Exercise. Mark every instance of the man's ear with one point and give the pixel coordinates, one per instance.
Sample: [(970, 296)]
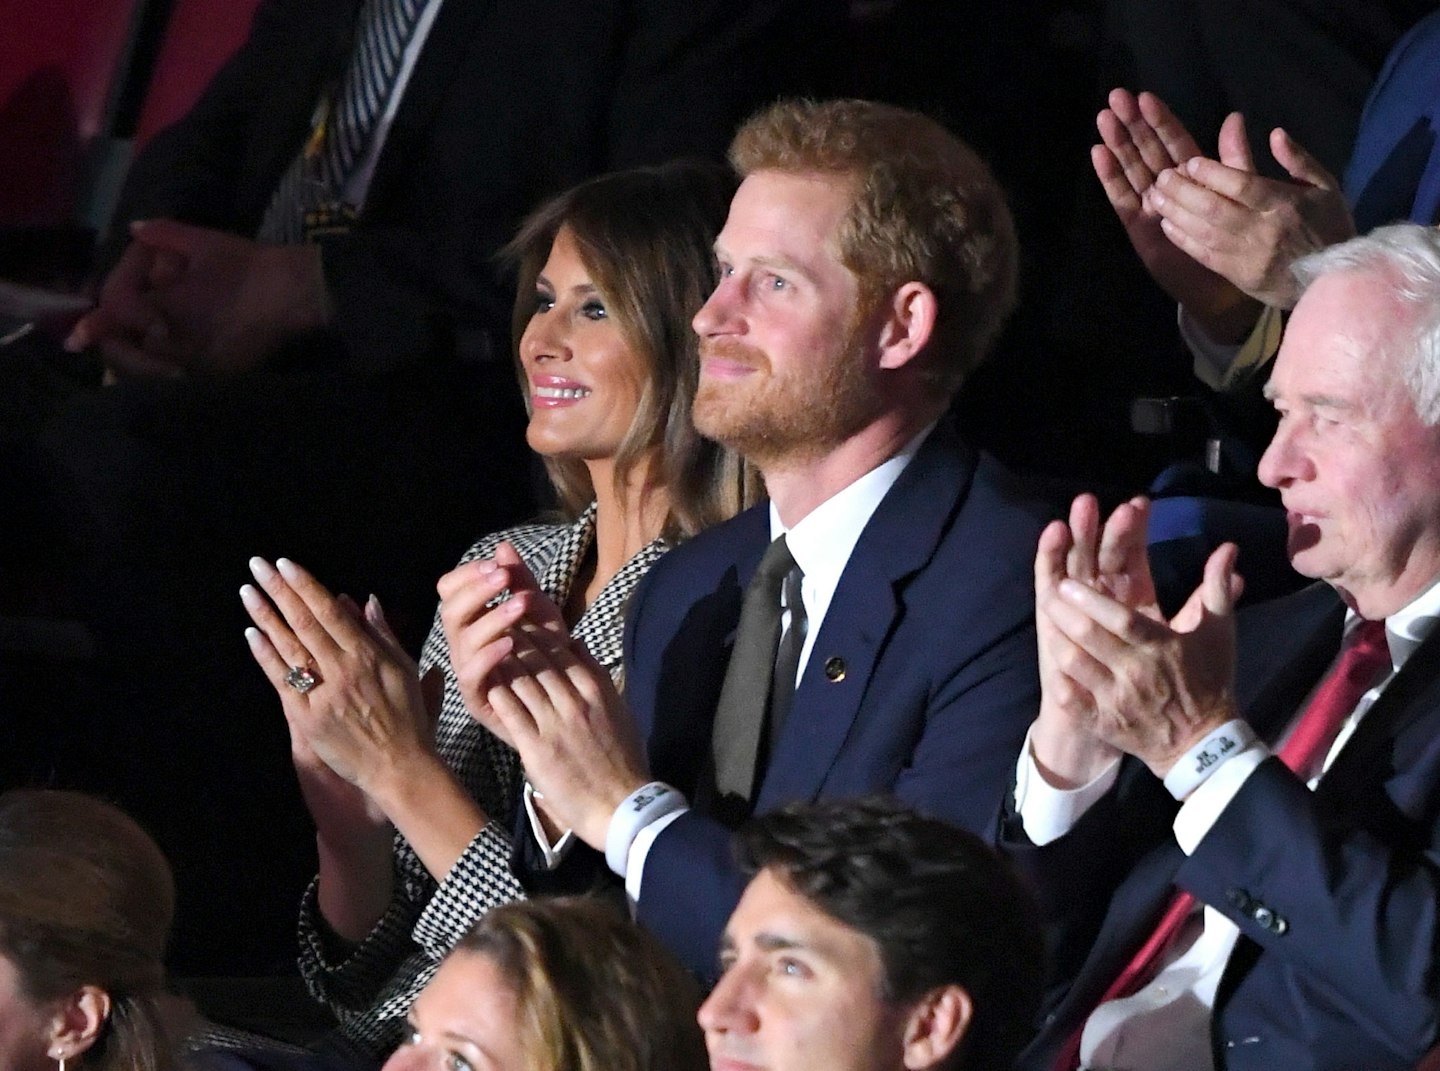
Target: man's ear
[(907, 325), (936, 1026), (77, 1021)]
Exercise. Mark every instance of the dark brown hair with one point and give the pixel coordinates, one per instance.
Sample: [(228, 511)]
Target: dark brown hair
[(86, 898), (646, 237), (941, 907)]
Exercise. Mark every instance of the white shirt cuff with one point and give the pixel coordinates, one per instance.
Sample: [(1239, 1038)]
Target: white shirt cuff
[(645, 805), (1047, 812), (1202, 810), (1205, 758), (553, 853)]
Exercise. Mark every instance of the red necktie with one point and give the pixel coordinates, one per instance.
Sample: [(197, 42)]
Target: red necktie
[(1360, 663)]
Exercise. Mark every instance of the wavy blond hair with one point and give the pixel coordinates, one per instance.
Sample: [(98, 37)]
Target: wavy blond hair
[(596, 992)]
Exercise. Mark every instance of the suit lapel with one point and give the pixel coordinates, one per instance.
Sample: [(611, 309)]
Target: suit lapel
[(756, 540), (1296, 646), (1285, 646), (897, 542), (1134, 911), (1414, 693)]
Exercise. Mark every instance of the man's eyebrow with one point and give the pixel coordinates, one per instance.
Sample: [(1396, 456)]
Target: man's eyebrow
[(1318, 401), (781, 262), (776, 261), (785, 938), (773, 942)]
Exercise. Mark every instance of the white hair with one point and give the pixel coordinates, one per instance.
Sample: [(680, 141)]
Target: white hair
[(1408, 255)]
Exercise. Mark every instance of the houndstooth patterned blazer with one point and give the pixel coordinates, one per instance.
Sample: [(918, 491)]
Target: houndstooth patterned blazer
[(371, 990)]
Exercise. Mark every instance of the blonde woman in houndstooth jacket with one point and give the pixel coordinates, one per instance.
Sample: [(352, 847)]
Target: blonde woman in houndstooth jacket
[(413, 818)]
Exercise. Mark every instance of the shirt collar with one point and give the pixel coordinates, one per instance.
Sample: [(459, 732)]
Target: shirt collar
[(1408, 626), (822, 540)]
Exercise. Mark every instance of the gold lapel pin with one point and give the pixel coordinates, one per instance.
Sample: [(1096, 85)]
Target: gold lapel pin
[(834, 669)]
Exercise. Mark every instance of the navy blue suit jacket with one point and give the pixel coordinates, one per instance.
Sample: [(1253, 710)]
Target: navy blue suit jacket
[(1394, 169), (1336, 892), (933, 622)]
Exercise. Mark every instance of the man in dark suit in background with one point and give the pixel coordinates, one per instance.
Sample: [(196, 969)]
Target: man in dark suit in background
[(1219, 235), (492, 106), (884, 643), (347, 400), (1307, 931)]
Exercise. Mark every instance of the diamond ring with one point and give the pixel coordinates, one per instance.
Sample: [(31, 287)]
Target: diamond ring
[(301, 678)]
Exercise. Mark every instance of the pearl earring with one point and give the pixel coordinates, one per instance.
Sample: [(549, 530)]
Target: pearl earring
[(59, 1057)]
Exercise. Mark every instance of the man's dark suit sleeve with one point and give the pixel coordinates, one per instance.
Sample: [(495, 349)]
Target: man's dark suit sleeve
[(1336, 892), (692, 883), (1350, 903), (218, 165)]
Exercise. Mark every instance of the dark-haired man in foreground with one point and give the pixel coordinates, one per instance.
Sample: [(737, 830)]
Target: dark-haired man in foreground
[(872, 939)]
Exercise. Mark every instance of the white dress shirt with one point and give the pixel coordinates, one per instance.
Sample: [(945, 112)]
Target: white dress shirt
[(1166, 1025)]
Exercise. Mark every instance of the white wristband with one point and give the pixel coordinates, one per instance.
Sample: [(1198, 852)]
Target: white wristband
[(1196, 765), (636, 811)]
